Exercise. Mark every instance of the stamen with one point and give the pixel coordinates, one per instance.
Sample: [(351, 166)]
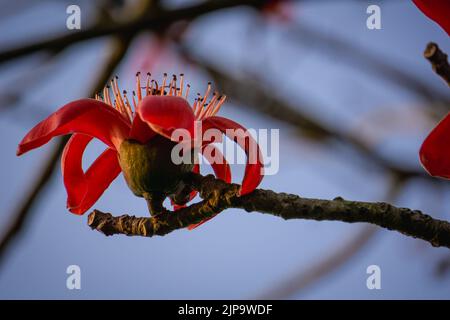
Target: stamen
[(147, 92), (127, 106), (120, 102), (194, 106), (106, 95), (211, 105), (174, 85), (187, 91), (171, 86), (180, 93), (219, 104), (198, 106), (164, 84), (151, 88), (208, 89), (138, 86), (203, 112), (115, 93), (134, 101)]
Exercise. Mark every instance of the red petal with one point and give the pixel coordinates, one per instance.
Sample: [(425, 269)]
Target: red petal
[(72, 171), (87, 116), (84, 189), (254, 169), (435, 150), (140, 130), (437, 10), (99, 176), (222, 171), (164, 114)]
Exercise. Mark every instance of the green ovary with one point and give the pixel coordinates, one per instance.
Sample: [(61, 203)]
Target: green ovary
[(148, 168)]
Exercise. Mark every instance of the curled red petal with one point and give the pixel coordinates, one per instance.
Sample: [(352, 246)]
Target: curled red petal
[(84, 189), (221, 170), (254, 170), (98, 177), (164, 114), (72, 170), (87, 116), (435, 150), (436, 10)]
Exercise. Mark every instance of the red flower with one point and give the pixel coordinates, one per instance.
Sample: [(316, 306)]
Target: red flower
[(437, 10), (435, 150), (138, 142)]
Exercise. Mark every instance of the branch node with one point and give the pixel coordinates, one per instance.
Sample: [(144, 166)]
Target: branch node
[(438, 60)]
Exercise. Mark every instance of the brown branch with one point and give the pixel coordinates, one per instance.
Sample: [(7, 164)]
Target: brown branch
[(219, 196), (438, 60)]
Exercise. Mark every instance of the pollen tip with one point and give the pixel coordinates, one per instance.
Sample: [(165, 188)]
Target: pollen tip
[(134, 93), (124, 91), (149, 74), (165, 74), (181, 74), (138, 74)]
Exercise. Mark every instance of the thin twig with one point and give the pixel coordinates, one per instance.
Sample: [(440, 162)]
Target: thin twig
[(219, 196), (438, 60)]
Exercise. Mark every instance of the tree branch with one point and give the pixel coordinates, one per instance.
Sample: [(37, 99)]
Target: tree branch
[(438, 60), (219, 196), (156, 19)]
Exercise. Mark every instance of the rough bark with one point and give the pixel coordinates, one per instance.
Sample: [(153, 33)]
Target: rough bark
[(219, 196)]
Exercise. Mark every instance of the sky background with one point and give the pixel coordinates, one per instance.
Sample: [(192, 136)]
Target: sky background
[(236, 255)]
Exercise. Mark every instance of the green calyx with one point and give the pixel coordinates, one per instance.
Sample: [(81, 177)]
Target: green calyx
[(150, 172)]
